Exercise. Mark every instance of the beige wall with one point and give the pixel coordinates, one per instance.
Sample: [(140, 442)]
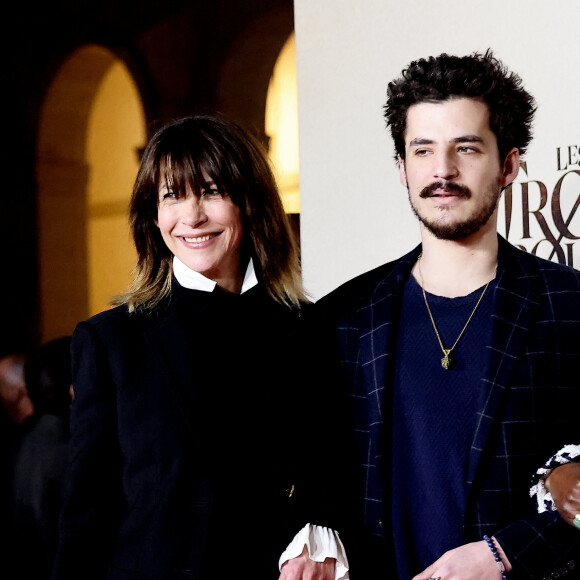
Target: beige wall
[(354, 212)]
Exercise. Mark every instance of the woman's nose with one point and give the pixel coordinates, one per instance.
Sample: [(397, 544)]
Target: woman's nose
[(193, 211)]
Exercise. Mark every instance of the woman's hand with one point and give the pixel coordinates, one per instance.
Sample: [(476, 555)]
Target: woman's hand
[(303, 568), (564, 485)]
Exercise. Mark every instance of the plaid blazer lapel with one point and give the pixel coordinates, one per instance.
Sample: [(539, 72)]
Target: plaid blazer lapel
[(379, 322), (516, 301)]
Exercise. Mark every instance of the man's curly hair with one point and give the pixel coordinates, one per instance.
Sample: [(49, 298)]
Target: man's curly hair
[(478, 76)]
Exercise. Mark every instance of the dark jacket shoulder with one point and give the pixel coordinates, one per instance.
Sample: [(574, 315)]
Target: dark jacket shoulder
[(528, 264), (357, 292), (118, 317)]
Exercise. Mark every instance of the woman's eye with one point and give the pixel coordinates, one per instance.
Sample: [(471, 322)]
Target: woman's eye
[(210, 191), (168, 195)]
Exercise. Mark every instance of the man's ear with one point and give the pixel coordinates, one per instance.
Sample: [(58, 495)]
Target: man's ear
[(402, 172), (511, 167)]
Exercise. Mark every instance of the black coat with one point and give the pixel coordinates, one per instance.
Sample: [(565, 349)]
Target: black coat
[(189, 430)]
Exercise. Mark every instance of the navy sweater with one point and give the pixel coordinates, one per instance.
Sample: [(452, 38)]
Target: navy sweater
[(434, 416)]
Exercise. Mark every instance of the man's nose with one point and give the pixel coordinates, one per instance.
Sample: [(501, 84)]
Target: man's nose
[(445, 165)]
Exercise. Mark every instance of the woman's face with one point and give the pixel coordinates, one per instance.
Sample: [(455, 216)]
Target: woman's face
[(204, 231)]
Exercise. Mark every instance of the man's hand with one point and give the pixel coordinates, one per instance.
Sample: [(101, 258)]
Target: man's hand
[(468, 562), (303, 568), (564, 485)]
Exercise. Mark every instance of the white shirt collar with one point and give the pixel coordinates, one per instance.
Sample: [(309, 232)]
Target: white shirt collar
[(188, 278)]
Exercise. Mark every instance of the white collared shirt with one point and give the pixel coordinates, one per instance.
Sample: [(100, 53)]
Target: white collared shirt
[(188, 278)]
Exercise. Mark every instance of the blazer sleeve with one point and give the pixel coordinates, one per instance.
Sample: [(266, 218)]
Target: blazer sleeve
[(93, 502), (544, 545), (541, 547)]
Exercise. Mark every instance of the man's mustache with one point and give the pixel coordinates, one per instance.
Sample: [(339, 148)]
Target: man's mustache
[(447, 187)]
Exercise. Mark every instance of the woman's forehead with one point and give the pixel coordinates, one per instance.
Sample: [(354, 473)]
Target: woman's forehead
[(183, 169)]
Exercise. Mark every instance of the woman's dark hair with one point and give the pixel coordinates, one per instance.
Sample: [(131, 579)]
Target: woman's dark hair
[(478, 76), (179, 154)]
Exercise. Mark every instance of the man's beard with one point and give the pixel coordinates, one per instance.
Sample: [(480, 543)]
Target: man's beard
[(458, 230)]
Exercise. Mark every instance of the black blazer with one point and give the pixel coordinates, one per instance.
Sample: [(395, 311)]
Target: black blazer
[(533, 382), (188, 439)]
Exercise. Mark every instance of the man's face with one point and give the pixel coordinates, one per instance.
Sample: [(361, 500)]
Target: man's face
[(452, 168)]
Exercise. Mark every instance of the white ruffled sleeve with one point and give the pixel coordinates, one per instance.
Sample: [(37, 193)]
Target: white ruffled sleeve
[(538, 489), (321, 543)]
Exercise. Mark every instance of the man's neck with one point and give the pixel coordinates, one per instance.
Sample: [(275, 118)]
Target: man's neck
[(457, 268)]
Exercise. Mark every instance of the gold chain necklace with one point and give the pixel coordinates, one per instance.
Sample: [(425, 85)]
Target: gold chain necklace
[(446, 361)]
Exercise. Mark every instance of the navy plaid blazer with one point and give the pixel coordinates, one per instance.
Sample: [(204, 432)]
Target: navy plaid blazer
[(532, 382)]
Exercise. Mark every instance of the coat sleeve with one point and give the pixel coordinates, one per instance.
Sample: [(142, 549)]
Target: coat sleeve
[(544, 545), (93, 502), (334, 474), (540, 547)]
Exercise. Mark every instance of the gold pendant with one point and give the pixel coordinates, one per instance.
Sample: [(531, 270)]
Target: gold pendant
[(446, 361)]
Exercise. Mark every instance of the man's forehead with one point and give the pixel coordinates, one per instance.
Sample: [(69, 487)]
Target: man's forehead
[(447, 119)]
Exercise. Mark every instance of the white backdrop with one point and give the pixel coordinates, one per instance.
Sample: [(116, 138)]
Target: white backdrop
[(354, 212)]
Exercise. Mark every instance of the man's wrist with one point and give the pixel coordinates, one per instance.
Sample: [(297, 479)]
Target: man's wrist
[(499, 556)]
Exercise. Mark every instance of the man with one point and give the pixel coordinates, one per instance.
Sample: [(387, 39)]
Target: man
[(13, 394), (39, 461), (462, 357), (16, 412)]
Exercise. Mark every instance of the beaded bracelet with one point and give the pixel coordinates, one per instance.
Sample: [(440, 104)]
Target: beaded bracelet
[(496, 556)]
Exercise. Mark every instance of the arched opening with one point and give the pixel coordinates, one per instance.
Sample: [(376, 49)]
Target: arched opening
[(282, 125), (90, 130)]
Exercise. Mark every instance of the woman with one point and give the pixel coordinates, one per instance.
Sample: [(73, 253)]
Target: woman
[(189, 426)]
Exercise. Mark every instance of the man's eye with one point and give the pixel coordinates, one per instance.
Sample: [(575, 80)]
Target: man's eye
[(466, 149)]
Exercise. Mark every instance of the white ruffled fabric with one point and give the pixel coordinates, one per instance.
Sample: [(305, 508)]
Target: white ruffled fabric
[(544, 498), (321, 543)]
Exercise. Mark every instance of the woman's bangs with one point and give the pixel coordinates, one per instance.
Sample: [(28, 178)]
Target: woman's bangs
[(179, 173)]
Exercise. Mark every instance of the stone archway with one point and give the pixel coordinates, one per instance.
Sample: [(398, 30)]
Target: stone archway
[(91, 125), (246, 72)]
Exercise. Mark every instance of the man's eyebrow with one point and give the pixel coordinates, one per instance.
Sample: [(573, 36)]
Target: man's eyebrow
[(417, 141), (467, 139), (420, 141)]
